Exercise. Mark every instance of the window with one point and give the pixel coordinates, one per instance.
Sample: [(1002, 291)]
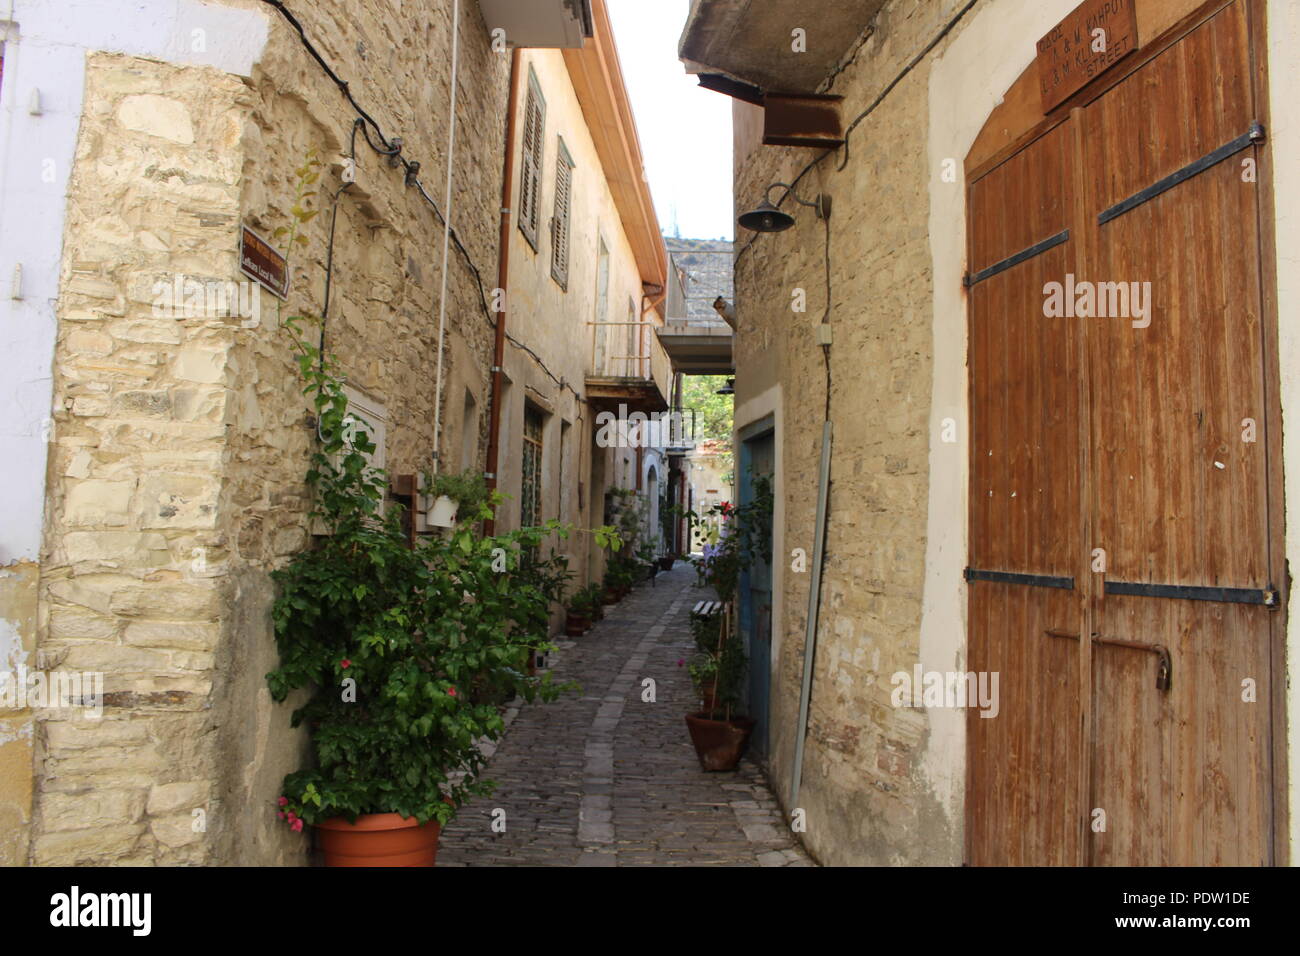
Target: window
[(530, 173), (560, 220), (369, 418), (469, 433), (530, 496), (600, 359), (632, 364)]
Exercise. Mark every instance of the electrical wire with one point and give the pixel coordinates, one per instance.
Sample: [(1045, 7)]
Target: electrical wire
[(392, 148), (912, 64)]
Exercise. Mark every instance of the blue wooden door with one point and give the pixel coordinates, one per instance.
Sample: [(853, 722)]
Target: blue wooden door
[(757, 462)]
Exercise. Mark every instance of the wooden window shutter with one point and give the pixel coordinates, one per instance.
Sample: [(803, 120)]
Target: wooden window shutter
[(530, 179), (560, 221)]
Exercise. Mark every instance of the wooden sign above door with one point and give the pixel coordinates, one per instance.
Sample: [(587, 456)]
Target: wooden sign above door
[(1087, 43)]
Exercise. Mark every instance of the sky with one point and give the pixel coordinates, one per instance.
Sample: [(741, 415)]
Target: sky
[(685, 130)]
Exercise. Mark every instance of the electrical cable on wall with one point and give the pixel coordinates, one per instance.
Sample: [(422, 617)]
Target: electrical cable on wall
[(912, 64), (393, 149)]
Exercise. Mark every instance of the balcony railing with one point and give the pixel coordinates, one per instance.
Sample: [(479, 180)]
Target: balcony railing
[(619, 349)]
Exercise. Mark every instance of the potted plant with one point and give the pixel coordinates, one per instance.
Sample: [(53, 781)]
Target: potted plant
[(448, 495), (647, 563), (718, 731), (394, 649), (581, 611)]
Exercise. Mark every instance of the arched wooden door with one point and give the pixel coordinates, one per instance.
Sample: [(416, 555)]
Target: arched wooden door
[(1124, 561)]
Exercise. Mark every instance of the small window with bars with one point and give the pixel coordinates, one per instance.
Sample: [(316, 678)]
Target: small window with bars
[(560, 220), (530, 497), (530, 172)]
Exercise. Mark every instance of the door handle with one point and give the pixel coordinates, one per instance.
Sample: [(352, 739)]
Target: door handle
[(1164, 663)]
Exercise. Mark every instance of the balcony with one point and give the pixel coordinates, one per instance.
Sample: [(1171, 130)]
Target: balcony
[(698, 347), (562, 24), (628, 367)]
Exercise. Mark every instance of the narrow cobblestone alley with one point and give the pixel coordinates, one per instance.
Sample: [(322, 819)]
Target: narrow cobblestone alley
[(601, 778)]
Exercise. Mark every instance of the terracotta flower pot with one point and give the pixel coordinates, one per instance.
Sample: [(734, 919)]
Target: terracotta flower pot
[(719, 743), (575, 625), (666, 564), (378, 839)]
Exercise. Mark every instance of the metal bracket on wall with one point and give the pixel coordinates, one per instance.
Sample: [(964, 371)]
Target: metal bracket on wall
[(1037, 249), (1248, 139), (1014, 577), (1268, 597)]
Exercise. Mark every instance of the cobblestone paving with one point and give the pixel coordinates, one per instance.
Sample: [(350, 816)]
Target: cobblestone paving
[(601, 778)]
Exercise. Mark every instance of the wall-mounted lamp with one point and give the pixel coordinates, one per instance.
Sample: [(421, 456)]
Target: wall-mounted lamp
[(767, 218), (728, 389)]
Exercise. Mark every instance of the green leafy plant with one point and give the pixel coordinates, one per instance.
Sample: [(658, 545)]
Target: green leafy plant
[(468, 489), (586, 602), (746, 536), (400, 648)]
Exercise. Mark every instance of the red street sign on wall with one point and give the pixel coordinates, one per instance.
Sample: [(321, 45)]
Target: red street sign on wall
[(260, 262)]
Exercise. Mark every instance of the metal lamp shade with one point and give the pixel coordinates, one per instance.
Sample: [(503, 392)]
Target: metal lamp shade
[(767, 218)]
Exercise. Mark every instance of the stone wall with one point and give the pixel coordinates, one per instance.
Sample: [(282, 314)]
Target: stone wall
[(180, 444), (866, 796)]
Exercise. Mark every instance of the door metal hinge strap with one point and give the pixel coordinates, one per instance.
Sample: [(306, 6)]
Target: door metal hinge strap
[(1268, 597), (1013, 577), (1035, 250), (1255, 135)]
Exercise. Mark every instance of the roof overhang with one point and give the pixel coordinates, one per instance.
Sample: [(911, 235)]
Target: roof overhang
[(598, 82), (697, 350), (637, 394), (540, 23), (755, 43)]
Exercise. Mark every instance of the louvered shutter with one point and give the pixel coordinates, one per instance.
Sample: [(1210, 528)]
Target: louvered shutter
[(530, 180), (560, 221)]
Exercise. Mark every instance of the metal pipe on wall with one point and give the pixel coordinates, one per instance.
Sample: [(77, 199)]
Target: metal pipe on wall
[(814, 605), (503, 276), (446, 236)]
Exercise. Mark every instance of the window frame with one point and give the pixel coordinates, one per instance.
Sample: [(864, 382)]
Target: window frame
[(561, 227), (532, 161)]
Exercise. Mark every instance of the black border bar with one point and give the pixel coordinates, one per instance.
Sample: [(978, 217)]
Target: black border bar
[(1035, 250), (1255, 135), (1268, 597), (1014, 577)]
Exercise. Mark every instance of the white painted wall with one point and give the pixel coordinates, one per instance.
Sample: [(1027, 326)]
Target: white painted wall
[(1284, 89), (45, 46)]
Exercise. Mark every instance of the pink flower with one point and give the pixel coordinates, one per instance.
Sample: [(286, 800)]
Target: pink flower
[(345, 663), (451, 691), (292, 816), (280, 814), (296, 826), (681, 661), (284, 801)]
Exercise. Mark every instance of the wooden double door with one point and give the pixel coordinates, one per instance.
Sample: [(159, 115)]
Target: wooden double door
[(1124, 562)]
